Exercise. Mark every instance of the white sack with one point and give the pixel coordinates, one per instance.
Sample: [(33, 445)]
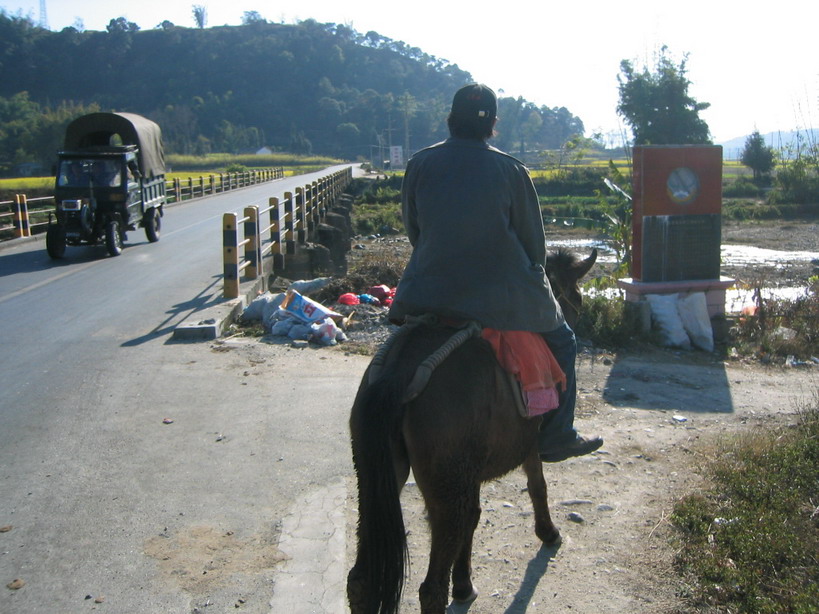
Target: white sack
[(693, 310), (665, 315)]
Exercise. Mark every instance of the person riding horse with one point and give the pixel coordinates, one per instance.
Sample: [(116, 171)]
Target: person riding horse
[(472, 216)]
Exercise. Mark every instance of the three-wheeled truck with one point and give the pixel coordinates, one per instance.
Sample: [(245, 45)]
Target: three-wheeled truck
[(110, 179)]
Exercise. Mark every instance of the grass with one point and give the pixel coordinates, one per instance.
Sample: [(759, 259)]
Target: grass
[(750, 543)]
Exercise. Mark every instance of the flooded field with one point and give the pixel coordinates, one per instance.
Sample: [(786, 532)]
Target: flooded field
[(745, 258)]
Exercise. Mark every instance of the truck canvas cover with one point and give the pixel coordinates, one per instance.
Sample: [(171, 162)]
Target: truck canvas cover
[(96, 130)]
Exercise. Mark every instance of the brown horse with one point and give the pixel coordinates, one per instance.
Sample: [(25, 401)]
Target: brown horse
[(462, 430)]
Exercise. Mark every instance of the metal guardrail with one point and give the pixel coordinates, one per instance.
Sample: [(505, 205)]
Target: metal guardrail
[(24, 218), (178, 189), (290, 220)]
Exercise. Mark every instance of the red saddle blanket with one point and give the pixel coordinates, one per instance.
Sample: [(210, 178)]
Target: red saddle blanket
[(526, 355)]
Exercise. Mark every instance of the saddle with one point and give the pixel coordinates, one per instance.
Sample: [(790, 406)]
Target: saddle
[(463, 332)]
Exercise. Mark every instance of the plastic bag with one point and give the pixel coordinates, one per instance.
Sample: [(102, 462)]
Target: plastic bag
[(381, 292), (369, 299), (664, 313), (327, 332), (282, 323), (263, 306), (308, 286), (693, 310), (306, 309), (348, 298)]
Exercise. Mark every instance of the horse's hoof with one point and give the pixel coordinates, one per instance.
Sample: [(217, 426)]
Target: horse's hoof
[(468, 599), (551, 538)]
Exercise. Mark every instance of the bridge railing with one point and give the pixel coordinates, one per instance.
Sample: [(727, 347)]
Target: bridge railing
[(23, 217), (275, 230), (180, 189)]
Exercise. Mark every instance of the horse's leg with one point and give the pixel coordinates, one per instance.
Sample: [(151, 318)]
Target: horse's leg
[(544, 527), (450, 514), (462, 588)]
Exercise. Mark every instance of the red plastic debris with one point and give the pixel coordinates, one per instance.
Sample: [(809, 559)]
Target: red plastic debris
[(348, 298), (380, 292)]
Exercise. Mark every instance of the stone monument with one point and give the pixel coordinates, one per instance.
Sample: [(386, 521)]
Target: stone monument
[(676, 223)]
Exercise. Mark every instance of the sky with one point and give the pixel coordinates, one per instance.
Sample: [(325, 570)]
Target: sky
[(755, 62)]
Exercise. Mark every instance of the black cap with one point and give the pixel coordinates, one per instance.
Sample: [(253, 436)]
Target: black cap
[(474, 102)]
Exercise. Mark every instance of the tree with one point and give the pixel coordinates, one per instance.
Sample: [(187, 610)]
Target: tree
[(757, 156), (657, 105), (251, 17), (200, 15), (120, 24)]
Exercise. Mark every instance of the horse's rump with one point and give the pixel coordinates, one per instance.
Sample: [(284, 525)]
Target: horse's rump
[(466, 413)]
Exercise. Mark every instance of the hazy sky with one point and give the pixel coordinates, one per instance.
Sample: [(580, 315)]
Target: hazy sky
[(755, 62)]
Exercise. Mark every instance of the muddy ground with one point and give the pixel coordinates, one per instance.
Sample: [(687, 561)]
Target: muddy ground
[(663, 415)]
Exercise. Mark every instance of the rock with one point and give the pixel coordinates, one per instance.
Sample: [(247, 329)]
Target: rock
[(16, 584), (576, 502), (575, 517)]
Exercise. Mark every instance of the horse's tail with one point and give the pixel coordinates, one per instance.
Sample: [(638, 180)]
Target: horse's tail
[(377, 580)]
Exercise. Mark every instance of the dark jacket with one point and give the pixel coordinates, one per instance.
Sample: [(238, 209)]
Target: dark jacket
[(472, 215)]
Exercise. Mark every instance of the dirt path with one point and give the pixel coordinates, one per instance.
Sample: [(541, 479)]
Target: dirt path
[(661, 413)]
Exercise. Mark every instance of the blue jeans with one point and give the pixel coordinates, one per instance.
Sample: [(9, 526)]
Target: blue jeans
[(557, 427)]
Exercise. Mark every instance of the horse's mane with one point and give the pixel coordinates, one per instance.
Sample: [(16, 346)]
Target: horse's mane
[(561, 258)]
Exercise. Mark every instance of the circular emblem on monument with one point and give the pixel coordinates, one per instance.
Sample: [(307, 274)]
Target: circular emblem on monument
[(683, 185)]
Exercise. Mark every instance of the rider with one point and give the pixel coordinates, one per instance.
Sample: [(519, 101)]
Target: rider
[(472, 215)]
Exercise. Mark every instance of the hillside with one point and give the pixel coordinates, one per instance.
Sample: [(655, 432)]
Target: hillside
[(781, 141), (308, 87)]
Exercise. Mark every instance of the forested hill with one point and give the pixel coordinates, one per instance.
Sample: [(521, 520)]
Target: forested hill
[(307, 87)]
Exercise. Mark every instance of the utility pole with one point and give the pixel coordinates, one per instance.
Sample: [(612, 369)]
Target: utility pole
[(43, 15)]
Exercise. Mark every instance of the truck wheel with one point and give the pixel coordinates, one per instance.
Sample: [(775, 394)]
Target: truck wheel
[(113, 238), (55, 241), (153, 223)]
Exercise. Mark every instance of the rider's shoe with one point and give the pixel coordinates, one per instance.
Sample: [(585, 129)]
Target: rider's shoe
[(578, 447)]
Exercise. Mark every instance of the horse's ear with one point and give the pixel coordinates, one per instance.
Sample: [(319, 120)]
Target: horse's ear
[(584, 266)]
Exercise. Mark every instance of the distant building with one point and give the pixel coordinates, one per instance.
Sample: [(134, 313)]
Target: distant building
[(264, 151)]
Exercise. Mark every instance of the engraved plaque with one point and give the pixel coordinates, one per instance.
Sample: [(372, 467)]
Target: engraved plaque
[(681, 247)]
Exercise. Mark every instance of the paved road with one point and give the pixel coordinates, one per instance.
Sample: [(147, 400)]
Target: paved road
[(103, 498)]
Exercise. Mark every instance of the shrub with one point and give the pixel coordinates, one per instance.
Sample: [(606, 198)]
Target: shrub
[(608, 322), (742, 187), (781, 328)]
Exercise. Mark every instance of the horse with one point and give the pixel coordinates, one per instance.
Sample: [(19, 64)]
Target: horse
[(463, 429)]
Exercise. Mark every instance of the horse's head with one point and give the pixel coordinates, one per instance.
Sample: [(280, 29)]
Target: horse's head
[(565, 269)]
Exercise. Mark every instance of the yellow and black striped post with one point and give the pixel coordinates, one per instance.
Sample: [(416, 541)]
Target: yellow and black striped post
[(253, 242), (21, 226), (290, 223), (301, 218), (230, 250), (277, 234)]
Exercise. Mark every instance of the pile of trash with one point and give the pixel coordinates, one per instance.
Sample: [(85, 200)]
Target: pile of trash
[(377, 295), (294, 315)]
